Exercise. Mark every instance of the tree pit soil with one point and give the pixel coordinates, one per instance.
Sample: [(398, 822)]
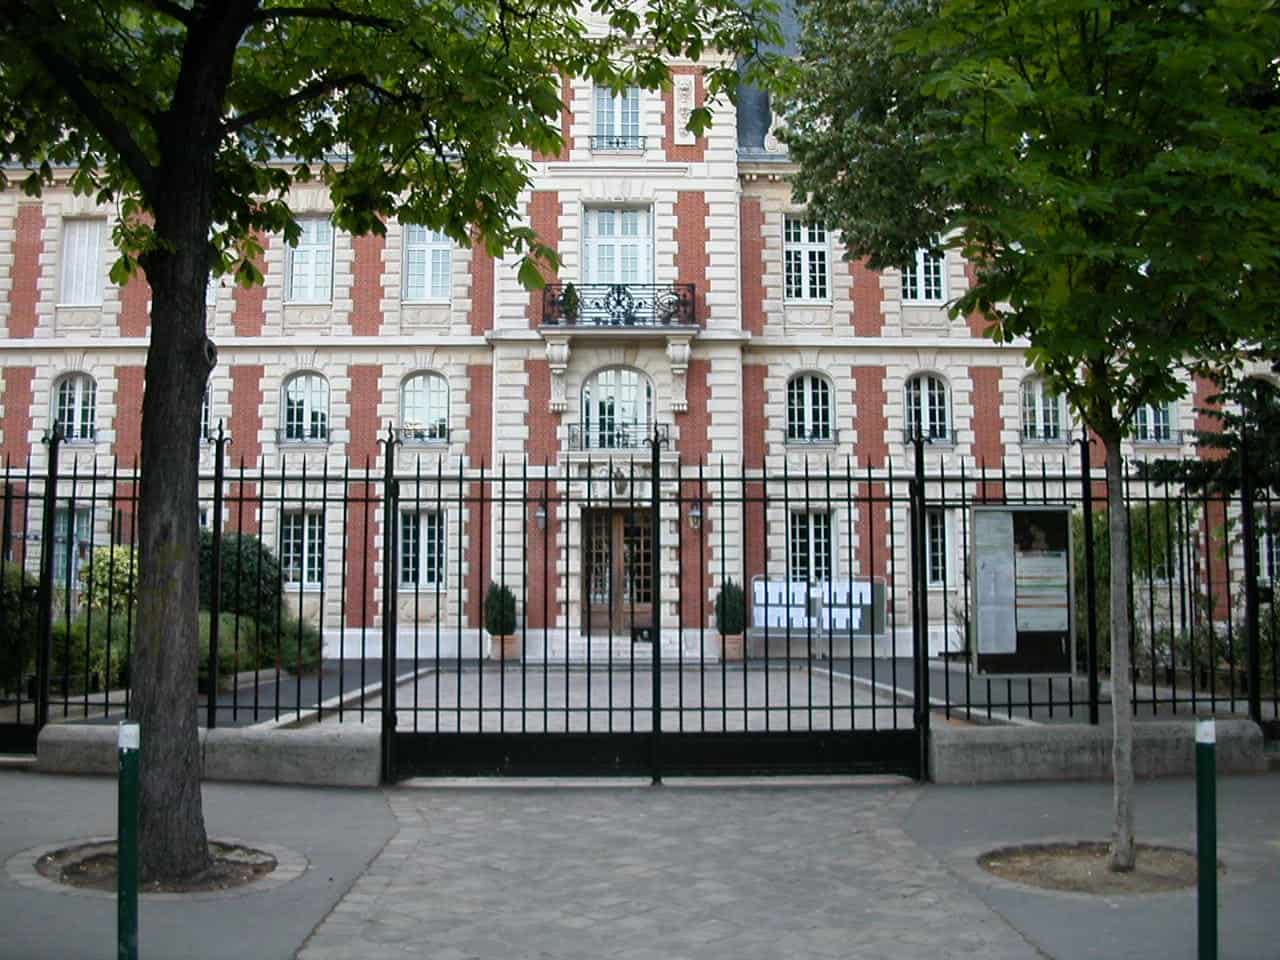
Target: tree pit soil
[(1084, 868), (92, 866)]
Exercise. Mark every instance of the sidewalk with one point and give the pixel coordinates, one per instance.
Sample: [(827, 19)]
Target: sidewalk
[(819, 869)]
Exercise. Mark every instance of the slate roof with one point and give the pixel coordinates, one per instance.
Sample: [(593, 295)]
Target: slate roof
[(754, 115)]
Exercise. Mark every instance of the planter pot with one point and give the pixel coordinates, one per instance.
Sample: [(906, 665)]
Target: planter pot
[(731, 646), (504, 647)]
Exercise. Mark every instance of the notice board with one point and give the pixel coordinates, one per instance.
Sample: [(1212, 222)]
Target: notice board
[(1022, 592)]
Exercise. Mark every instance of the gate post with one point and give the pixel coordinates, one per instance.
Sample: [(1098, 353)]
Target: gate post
[(44, 626), (1250, 580), (1090, 592), (655, 575), (920, 605), (215, 578), (390, 515)]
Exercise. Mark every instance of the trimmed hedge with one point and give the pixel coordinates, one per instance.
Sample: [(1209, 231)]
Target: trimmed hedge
[(17, 626), (250, 577)]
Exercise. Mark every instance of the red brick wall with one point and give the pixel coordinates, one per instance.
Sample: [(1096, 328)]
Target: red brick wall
[(751, 229), (1204, 389), (128, 422), (869, 400), (542, 446), (480, 512), (542, 607), (691, 247), (17, 414), (366, 285), (250, 311), (544, 218), (867, 300), (695, 545), (481, 315), (988, 448), (977, 322), (682, 153), (566, 124), (362, 449), (362, 591), (25, 293), (753, 416), (480, 420), (135, 311), (246, 416)]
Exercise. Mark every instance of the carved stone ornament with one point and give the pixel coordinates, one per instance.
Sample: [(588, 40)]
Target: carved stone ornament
[(685, 96), (558, 362), (771, 142), (679, 349)]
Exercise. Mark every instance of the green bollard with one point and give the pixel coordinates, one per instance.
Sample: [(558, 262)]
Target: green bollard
[(127, 843), (1207, 839)]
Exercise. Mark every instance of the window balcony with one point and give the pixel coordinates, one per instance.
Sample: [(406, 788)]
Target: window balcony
[(618, 305), (617, 436), (939, 436), (617, 143), (421, 434)]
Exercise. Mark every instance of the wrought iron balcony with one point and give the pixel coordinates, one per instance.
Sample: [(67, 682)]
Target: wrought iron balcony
[(617, 143), (942, 436), (617, 436), (618, 305), (413, 433)]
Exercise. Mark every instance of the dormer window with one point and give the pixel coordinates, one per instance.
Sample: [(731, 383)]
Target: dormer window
[(617, 120)]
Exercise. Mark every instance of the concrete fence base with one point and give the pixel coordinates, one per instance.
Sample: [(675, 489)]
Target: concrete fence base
[(329, 756), (1082, 752)]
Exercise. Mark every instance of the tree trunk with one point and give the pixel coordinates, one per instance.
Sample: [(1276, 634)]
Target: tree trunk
[(172, 840), (1123, 852)]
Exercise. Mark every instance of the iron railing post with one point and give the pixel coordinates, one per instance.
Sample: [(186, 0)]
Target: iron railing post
[(1090, 590), (920, 605), (215, 578), (655, 575), (48, 548), (1249, 532), (390, 514)]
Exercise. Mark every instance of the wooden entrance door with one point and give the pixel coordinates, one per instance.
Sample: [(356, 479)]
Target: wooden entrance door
[(617, 570)]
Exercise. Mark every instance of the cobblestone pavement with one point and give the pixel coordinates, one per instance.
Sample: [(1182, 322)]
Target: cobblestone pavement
[(671, 873)]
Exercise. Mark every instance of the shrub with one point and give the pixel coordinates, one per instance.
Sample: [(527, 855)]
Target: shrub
[(731, 609), (90, 652), (250, 577), (236, 650), (111, 578), (500, 610), (17, 626)]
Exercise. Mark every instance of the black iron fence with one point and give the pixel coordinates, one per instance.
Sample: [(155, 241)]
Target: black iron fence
[(642, 613)]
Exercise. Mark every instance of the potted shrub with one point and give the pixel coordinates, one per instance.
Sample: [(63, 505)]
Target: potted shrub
[(570, 304), (500, 622), (731, 614)]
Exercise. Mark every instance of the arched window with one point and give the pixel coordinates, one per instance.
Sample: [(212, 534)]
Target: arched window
[(424, 408), (306, 408), (928, 407), (808, 409), (1042, 412), (617, 408), (75, 406)]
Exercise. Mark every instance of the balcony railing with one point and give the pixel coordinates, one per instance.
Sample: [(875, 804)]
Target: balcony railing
[(417, 433), (617, 143), (617, 436), (618, 305), (944, 437)]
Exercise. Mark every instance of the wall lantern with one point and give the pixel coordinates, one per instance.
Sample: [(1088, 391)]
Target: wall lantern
[(695, 514), (540, 515)]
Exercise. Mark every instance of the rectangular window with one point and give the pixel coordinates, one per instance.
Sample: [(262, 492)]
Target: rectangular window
[(422, 549), (936, 547), (809, 547), (1153, 423), (617, 120), (428, 256), (1268, 533), (72, 541), (82, 263), (311, 262), (805, 260), (924, 281), (619, 246), (302, 548)]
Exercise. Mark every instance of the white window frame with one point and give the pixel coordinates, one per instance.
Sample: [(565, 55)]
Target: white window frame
[(424, 408), (1268, 548), (617, 245), (928, 405), (308, 572), (810, 410), (1044, 417), (81, 280), (618, 125), (422, 558), (310, 263), (806, 561), (806, 261), (311, 391), (925, 281), (631, 395), (206, 413), (1154, 423), (937, 540), (67, 558), (76, 394), (428, 265)]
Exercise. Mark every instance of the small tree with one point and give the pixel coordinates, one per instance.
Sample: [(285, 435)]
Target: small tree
[(731, 609), (250, 577), (500, 610), (111, 578)]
